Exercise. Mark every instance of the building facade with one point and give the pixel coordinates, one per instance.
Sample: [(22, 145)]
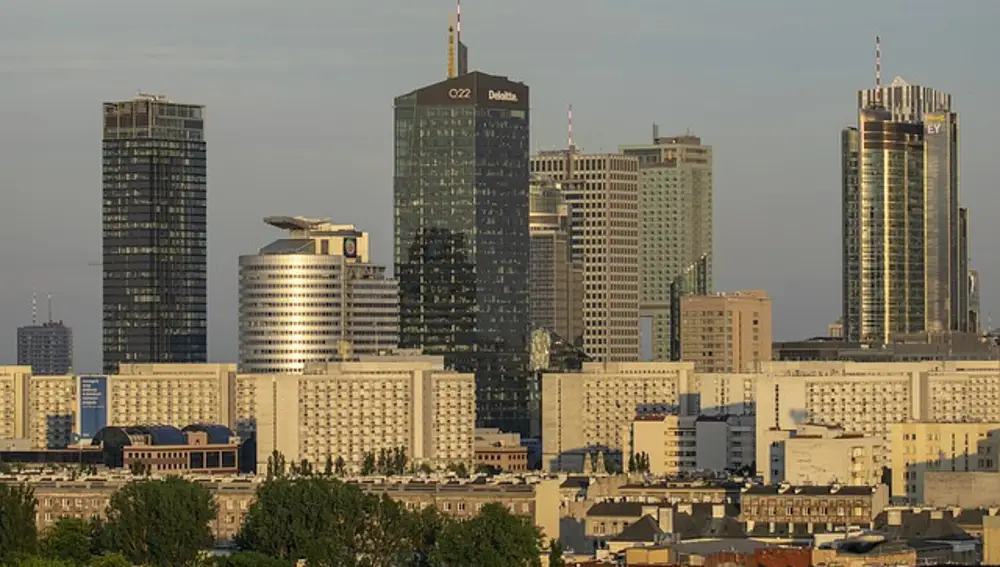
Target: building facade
[(462, 244), (883, 230), (154, 232), (922, 447), (46, 348), (555, 278), (726, 332), (313, 297), (603, 195), (676, 223), (822, 455), (348, 409)]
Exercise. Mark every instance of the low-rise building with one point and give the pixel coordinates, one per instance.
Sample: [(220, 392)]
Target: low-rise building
[(500, 451), (822, 455), (667, 440), (786, 509)]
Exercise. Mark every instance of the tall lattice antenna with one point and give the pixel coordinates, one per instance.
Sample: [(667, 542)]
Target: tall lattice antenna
[(458, 21), (34, 307), (569, 125), (50, 307), (878, 69)]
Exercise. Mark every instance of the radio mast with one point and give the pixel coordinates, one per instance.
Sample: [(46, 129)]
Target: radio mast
[(451, 47)]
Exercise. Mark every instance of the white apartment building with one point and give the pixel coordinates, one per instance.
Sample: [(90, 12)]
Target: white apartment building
[(347, 409)]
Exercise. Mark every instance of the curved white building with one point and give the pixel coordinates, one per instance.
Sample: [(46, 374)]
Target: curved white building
[(313, 297)]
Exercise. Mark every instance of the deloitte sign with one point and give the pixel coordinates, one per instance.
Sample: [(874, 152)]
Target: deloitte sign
[(504, 96)]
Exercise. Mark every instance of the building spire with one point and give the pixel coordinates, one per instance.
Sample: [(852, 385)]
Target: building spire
[(878, 70), (34, 307), (451, 47), (569, 118), (50, 307)]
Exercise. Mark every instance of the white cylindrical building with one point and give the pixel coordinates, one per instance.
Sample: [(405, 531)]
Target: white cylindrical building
[(313, 297)]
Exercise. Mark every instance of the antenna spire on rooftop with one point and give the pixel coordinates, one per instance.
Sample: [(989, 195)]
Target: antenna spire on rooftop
[(34, 307)]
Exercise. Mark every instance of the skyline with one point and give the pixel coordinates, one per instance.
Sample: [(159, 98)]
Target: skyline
[(336, 141)]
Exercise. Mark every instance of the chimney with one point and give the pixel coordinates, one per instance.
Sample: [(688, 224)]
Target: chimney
[(665, 519), (895, 517)]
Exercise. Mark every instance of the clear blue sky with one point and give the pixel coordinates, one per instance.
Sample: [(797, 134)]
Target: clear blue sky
[(299, 98)]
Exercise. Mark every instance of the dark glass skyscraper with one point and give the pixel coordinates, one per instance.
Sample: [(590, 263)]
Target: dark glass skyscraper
[(154, 217), (461, 236)]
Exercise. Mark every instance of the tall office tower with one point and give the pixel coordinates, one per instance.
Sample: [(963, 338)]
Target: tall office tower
[(555, 279), (314, 297), (155, 233), (947, 272), (726, 332), (462, 242), (883, 228), (675, 209), (603, 194), (46, 348)]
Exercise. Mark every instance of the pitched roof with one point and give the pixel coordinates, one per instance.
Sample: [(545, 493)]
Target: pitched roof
[(646, 529), (619, 509)]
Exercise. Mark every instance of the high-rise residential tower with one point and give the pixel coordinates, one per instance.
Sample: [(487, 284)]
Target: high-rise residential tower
[(555, 278), (461, 199), (603, 194), (314, 297), (676, 224), (47, 348), (155, 232)]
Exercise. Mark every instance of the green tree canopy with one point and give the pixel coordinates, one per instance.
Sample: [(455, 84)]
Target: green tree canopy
[(37, 561), (18, 534), (69, 539), (250, 559), (327, 523), (110, 560), (495, 537), (161, 523)]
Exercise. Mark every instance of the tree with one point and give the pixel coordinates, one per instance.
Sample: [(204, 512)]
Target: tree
[(110, 560), (250, 559), (495, 537), (328, 468), (425, 468), (631, 463), (70, 540), (340, 467), (327, 523), (18, 534), (368, 464), (556, 554), (459, 469), (399, 460), (37, 561), (162, 523)]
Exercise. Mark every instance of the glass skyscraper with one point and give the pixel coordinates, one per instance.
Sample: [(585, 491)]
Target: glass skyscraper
[(155, 233), (461, 197)]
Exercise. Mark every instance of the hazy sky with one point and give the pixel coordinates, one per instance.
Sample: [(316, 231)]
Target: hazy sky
[(299, 120)]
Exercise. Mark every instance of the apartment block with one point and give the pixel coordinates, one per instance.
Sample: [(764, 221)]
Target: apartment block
[(52, 411), (172, 394), (347, 409), (602, 191), (586, 411), (537, 499), (668, 440), (821, 455), (14, 401), (786, 505), (726, 332), (922, 447)]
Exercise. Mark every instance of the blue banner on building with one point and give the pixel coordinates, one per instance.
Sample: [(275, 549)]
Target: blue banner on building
[(93, 405)]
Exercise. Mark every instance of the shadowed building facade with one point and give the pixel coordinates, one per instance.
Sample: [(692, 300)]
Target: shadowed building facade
[(155, 232), (461, 236)]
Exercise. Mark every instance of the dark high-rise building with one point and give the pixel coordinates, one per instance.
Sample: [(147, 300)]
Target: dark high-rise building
[(46, 348), (155, 303), (461, 236)]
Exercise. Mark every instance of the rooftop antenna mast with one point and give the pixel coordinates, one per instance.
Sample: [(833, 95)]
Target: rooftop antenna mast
[(878, 70), (34, 307), (50, 307), (451, 47), (570, 147)]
